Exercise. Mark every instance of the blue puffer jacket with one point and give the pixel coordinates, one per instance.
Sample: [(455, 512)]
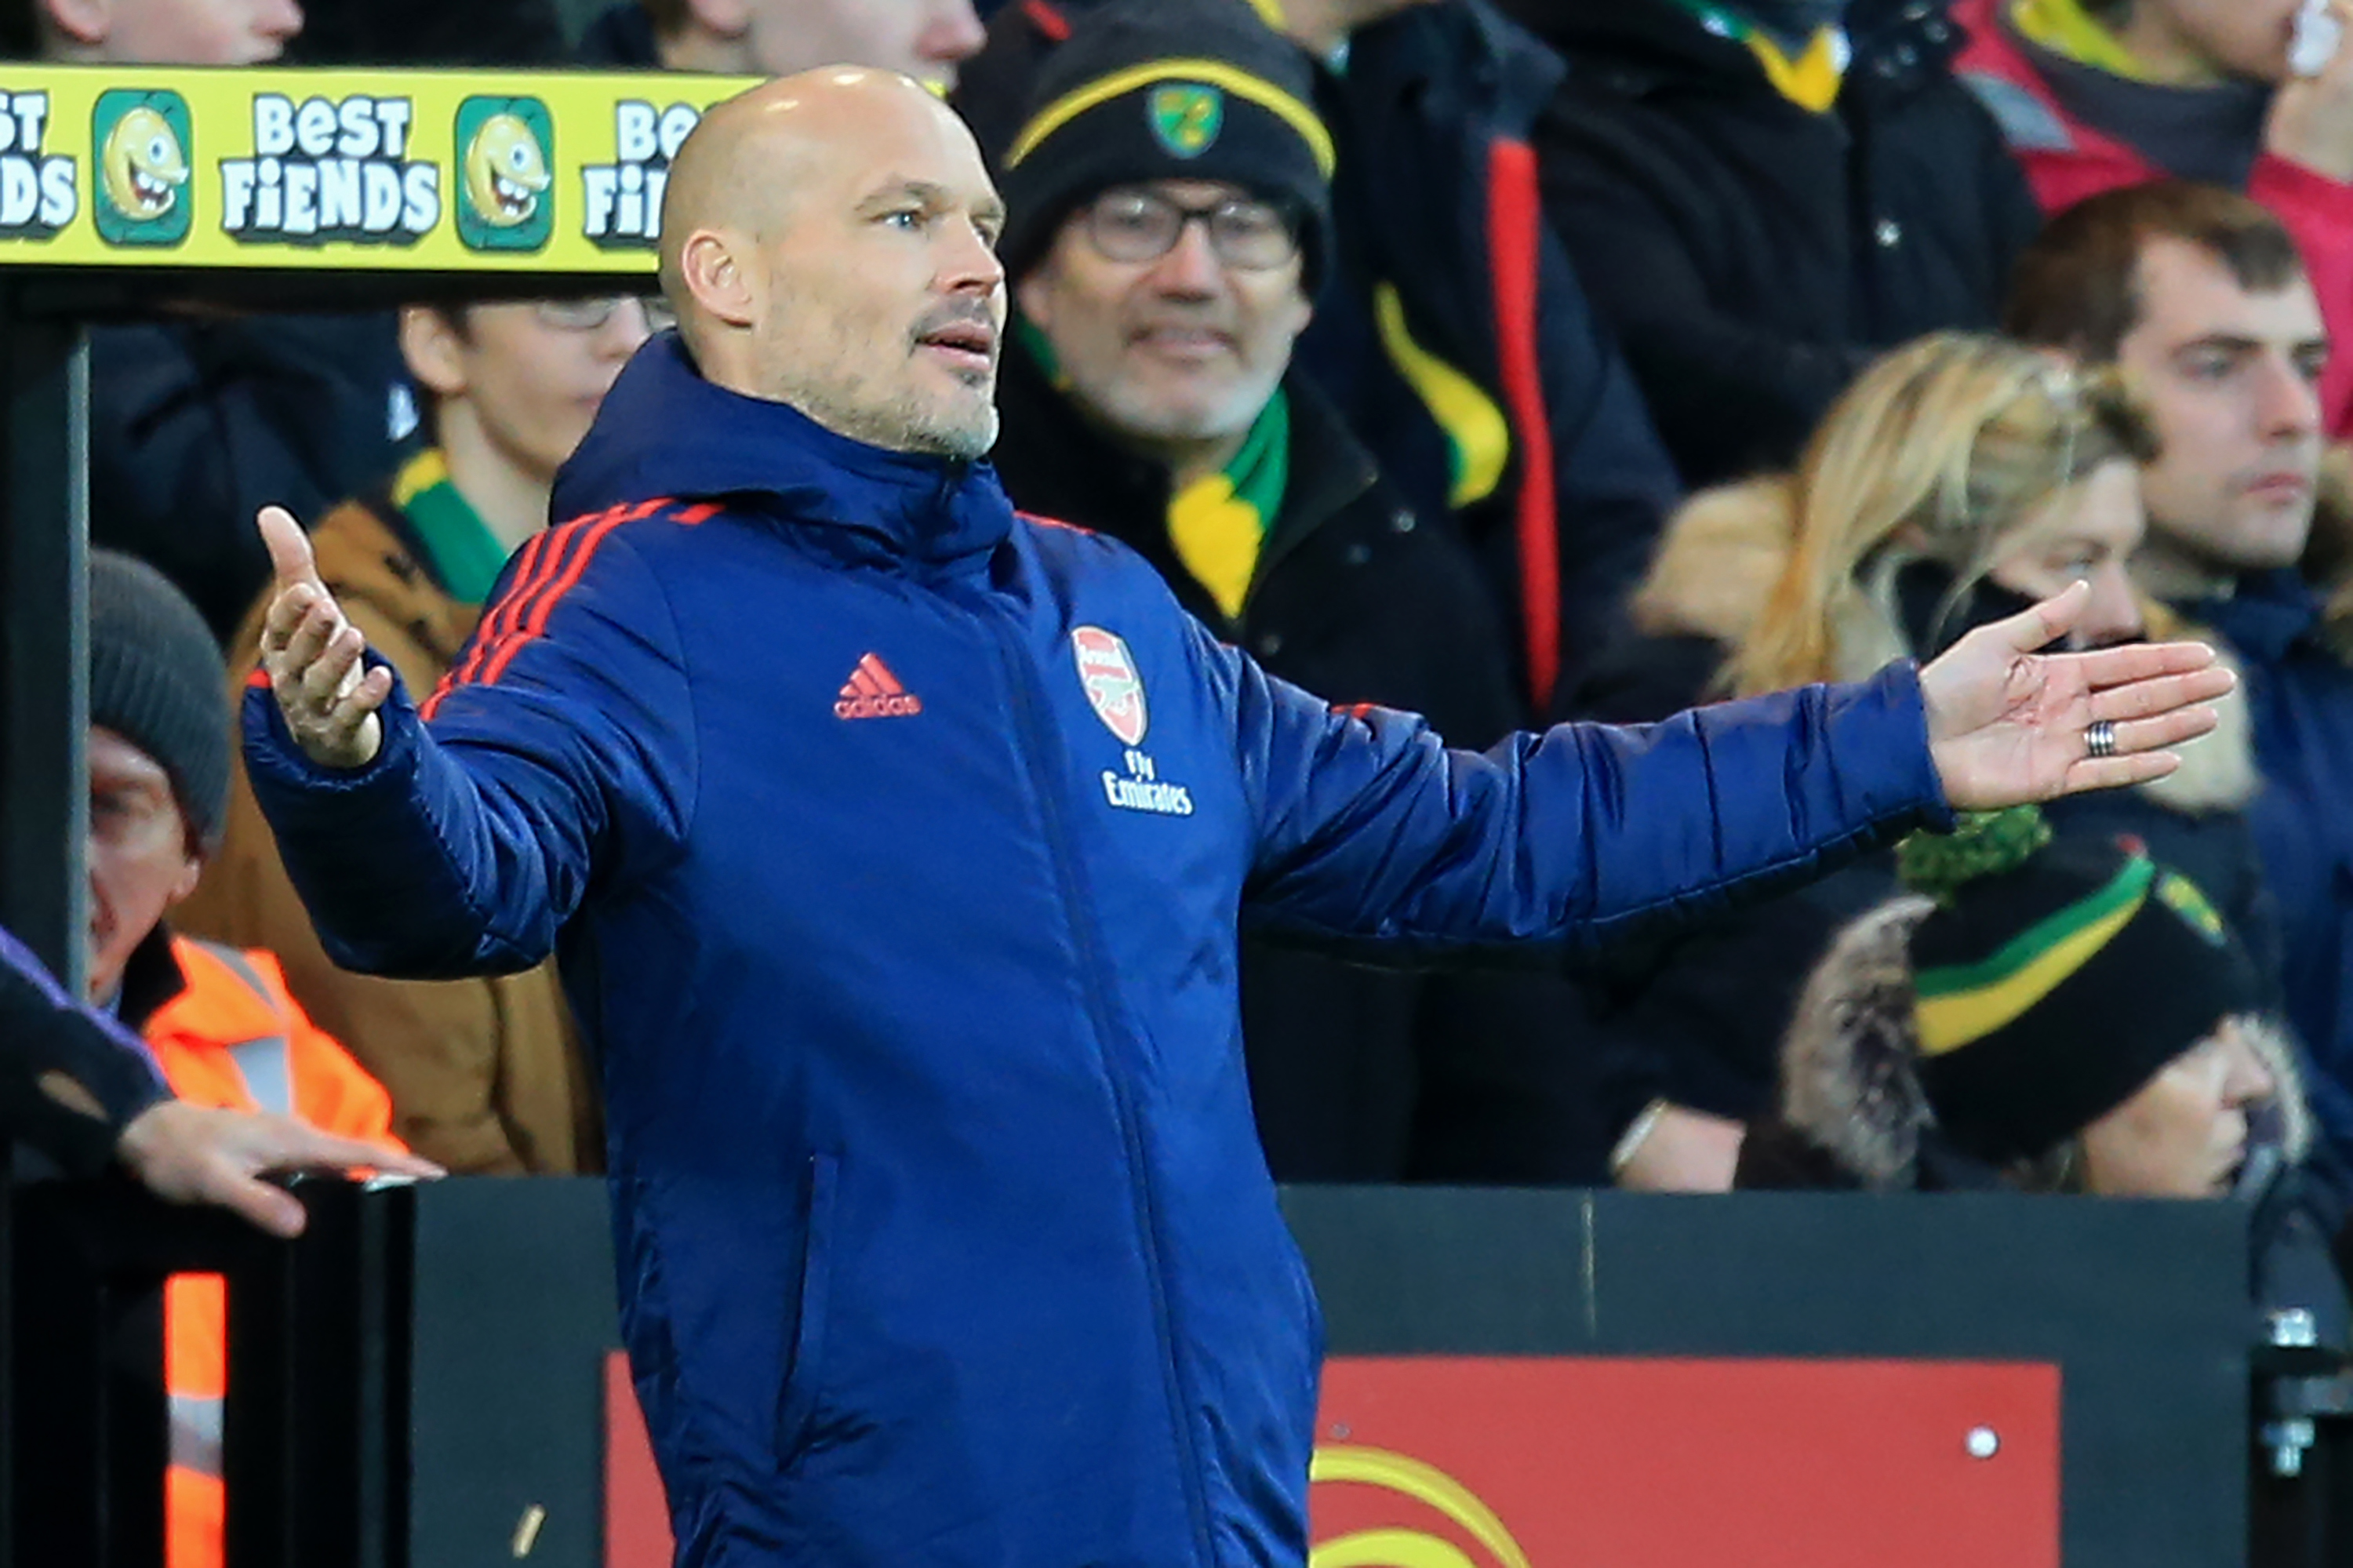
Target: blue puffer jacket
[(2301, 694), (894, 848)]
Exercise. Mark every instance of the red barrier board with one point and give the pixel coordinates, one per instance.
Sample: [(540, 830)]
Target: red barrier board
[(1564, 1462)]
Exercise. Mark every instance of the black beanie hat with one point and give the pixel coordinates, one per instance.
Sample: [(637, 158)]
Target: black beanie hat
[(157, 679), (2054, 979), (1168, 90)]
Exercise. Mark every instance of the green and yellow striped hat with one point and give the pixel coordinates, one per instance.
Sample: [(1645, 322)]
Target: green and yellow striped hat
[(1168, 90), (2055, 977)]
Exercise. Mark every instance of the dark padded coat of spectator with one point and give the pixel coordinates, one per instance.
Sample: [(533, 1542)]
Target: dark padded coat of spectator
[(195, 423), (1751, 253), (1546, 455)]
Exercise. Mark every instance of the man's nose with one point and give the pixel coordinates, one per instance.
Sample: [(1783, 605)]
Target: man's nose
[(971, 265), (2113, 613), (953, 35), (1191, 265), (2250, 1078), (2289, 403)]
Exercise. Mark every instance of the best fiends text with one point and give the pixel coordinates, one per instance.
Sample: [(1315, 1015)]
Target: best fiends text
[(36, 189), (329, 169)]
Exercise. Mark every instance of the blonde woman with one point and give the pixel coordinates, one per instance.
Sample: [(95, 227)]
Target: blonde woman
[(1958, 478)]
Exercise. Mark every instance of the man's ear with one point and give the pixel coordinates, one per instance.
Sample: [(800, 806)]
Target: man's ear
[(84, 22), (712, 265), (429, 346), (1033, 296)]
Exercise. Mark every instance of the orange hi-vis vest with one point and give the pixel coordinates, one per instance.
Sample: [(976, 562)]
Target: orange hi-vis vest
[(235, 1039)]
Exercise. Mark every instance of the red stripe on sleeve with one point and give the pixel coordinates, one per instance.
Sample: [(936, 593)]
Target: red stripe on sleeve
[(590, 538), (1514, 226), (525, 583), (551, 564)]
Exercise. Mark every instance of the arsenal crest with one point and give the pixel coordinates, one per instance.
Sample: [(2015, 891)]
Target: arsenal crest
[(1111, 684)]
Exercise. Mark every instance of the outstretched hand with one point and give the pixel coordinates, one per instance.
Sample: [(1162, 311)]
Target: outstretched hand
[(312, 656), (2008, 724), (198, 1154)]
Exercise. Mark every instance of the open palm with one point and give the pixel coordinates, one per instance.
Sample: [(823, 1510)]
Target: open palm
[(2007, 723)]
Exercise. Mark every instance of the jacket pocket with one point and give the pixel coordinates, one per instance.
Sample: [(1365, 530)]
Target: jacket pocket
[(802, 1362)]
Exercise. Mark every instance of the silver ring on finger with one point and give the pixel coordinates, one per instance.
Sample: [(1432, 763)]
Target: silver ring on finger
[(2100, 739)]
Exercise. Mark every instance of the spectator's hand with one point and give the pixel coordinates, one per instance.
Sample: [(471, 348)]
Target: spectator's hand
[(196, 1154), (1684, 1151), (2009, 725), (2311, 119), (312, 654)]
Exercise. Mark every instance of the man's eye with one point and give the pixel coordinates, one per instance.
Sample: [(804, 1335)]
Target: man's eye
[(905, 217)]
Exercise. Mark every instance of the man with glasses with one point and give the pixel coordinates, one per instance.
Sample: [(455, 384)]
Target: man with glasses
[(486, 1076), (1163, 244)]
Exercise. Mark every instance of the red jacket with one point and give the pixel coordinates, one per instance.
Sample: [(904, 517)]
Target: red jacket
[(2066, 161)]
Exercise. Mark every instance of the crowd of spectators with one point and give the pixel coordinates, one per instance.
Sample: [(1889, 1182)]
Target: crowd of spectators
[(1588, 361)]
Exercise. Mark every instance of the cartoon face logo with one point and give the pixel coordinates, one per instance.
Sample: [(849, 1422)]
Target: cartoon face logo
[(1186, 117), (505, 175), (1112, 687), (142, 145)]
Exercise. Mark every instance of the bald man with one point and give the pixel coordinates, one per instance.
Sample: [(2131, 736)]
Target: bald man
[(893, 846)]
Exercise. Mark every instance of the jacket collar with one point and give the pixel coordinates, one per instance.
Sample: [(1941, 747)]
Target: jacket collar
[(2264, 619), (1066, 469), (664, 432), (152, 978)]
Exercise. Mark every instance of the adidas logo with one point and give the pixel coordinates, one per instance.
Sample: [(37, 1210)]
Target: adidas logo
[(872, 691)]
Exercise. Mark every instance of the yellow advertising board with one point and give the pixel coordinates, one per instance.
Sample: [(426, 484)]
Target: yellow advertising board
[(476, 171)]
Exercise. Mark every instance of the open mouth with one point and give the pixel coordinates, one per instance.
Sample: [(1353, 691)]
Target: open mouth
[(968, 345), (514, 200), (154, 193)]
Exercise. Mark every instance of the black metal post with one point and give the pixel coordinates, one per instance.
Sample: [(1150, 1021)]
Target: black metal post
[(44, 634), (43, 701), (314, 1433)]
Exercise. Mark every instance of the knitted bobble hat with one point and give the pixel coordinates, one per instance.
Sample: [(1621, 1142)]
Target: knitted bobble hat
[(156, 679)]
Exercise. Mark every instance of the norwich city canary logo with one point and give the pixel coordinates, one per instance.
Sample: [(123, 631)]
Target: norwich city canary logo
[(506, 149), (1436, 1516), (143, 145), (1186, 117)]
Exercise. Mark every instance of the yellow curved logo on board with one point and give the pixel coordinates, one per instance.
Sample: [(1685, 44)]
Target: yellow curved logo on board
[(1401, 1547)]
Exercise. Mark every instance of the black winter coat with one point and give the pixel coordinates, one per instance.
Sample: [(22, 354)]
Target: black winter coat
[(196, 424), (1752, 255), (1357, 1074)]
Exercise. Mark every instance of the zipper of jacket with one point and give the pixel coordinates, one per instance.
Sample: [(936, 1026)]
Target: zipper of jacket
[(1036, 736)]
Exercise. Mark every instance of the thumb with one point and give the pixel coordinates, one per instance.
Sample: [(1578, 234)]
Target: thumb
[(290, 560), (2040, 625)]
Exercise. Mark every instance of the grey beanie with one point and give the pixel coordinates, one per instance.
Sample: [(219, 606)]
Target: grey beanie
[(157, 679)]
